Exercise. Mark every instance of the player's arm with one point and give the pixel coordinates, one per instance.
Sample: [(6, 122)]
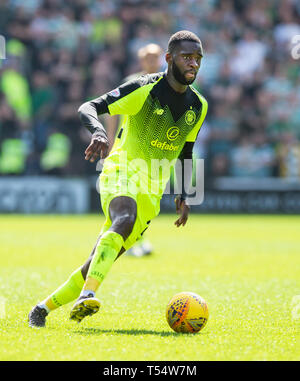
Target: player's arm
[(184, 172), (126, 99), (88, 114)]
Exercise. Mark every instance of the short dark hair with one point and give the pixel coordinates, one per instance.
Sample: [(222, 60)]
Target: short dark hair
[(183, 35)]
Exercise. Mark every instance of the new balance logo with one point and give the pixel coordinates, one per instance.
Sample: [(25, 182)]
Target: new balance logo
[(158, 111)]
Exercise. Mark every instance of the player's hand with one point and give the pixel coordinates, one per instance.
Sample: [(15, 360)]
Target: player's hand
[(98, 147), (183, 209)]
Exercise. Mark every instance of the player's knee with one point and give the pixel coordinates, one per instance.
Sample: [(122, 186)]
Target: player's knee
[(123, 224), (126, 220)]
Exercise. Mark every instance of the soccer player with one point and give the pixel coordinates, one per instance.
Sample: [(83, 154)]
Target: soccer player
[(149, 57), (163, 115)]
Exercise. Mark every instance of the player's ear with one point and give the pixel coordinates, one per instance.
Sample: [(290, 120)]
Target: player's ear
[(168, 58)]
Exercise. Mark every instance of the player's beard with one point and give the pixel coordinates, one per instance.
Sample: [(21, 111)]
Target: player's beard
[(179, 76)]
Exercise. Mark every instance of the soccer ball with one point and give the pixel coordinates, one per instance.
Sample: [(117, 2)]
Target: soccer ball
[(187, 312)]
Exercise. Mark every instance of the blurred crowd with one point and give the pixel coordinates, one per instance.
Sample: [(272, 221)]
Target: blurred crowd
[(59, 54)]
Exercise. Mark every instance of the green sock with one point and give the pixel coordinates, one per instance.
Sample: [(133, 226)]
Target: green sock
[(68, 291), (107, 251)]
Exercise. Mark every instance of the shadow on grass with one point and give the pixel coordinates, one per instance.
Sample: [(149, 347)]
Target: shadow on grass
[(134, 332)]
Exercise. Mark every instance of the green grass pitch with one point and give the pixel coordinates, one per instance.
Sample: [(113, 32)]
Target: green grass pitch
[(247, 268)]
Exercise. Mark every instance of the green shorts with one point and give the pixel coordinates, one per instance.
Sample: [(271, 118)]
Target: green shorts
[(115, 181)]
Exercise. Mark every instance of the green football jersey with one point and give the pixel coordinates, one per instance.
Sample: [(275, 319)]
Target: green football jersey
[(157, 122)]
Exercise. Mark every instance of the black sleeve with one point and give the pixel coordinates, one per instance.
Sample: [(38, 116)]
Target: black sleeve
[(89, 111), (88, 114), (186, 173), (187, 151)]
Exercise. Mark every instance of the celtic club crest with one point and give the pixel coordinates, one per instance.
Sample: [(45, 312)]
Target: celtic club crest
[(190, 117)]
